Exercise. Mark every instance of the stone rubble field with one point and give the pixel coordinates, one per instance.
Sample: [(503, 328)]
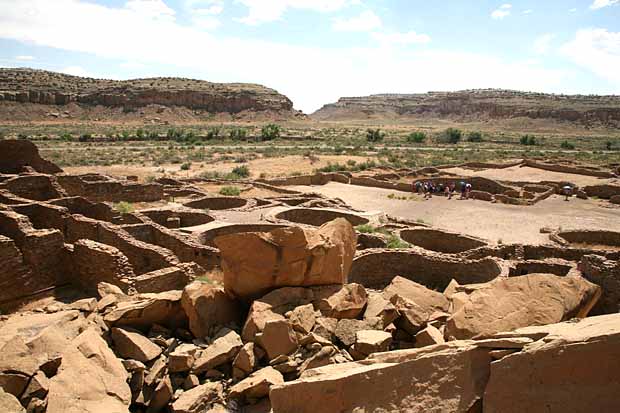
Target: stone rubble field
[(112, 311)]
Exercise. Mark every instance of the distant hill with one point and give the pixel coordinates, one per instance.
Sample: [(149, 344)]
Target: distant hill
[(30, 86), (472, 105)]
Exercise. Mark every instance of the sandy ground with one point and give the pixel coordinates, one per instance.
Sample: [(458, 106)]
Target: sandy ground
[(494, 222), (527, 174), (271, 167)]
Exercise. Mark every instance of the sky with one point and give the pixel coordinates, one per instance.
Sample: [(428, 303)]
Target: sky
[(316, 51)]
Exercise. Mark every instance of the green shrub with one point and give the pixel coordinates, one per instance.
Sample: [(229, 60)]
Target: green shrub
[(186, 166), (270, 132), (140, 134), (238, 134), (416, 137), (214, 133), (366, 229), (474, 137), (123, 207), (450, 135), (374, 135), (241, 171), (67, 137), (395, 241), (567, 145), (230, 191), (528, 140)]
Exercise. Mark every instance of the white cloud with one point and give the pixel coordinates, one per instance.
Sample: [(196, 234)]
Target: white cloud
[(401, 38), (573, 10), (366, 21), (542, 44), (168, 48), (597, 50), (75, 71), (24, 58), (154, 9), (264, 11), (528, 11), (502, 11), (599, 4)]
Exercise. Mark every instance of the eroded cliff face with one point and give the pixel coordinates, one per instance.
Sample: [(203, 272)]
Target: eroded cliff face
[(49, 88), (476, 105)]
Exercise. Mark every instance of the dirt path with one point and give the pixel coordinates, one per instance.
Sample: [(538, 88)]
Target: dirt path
[(495, 222)]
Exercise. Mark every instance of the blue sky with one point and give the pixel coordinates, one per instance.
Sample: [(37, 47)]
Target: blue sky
[(316, 51)]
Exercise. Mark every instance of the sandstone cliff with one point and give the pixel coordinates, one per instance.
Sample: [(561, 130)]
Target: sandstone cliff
[(50, 88), (478, 105)]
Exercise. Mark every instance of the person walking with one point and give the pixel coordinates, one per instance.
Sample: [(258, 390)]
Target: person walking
[(567, 190)]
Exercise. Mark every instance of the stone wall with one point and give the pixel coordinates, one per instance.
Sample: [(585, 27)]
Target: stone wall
[(110, 190), (589, 237), (440, 241), (143, 257), (318, 217), (184, 247), (375, 268), (605, 273), (93, 262), (36, 187), (218, 203), (602, 191), (16, 279)]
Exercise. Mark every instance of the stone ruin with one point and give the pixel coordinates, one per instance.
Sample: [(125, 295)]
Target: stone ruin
[(108, 311)]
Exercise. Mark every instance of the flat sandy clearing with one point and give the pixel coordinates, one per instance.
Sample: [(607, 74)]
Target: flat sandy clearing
[(527, 174), (494, 222)]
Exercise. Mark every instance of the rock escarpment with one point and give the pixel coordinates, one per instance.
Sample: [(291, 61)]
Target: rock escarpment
[(49, 88), (477, 105)]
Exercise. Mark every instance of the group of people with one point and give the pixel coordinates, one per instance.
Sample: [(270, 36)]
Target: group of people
[(429, 188)]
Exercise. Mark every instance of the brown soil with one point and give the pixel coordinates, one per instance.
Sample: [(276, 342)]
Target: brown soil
[(494, 222)]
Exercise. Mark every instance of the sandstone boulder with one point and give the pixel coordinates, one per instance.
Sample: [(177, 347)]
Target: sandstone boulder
[(574, 369), (274, 305), (144, 310), (245, 362), (90, 379), (452, 380), (255, 263), (9, 403), (428, 337), (133, 345), (257, 385), (182, 358), (302, 318), (198, 399), (18, 154), (346, 303), (372, 341), (379, 306), (278, 338), (509, 303), (207, 308), (223, 349)]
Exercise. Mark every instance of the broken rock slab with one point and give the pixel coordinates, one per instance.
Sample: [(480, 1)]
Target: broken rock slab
[(506, 304), (90, 379), (223, 349), (452, 380), (9, 403), (574, 369), (256, 263), (208, 308), (346, 303), (257, 385), (198, 399), (372, 341), (133, 345), (278, 338)]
